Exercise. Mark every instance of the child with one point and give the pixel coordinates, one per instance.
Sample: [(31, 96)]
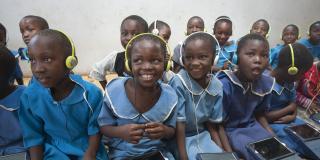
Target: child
[(195, 24), (313, 43), (17, 73), (246, 95), (10, 133), (222, 30), (161, 29), (29, 26), (283, 109), (261, 27), (199, 98), (290, 34), (138, 115), (59, 110), (114, 62), (308, 91)]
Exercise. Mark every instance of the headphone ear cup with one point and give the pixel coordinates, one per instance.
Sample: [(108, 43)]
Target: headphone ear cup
[(71, 62), (155, 31), (293, 71)]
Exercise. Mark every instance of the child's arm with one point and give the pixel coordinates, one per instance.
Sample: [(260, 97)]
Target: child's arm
[(131, 133), (159, 131), (224, 139), (94, 142), (289, 112), (213, 130), (181, 140), (36, 152), (263, 121)]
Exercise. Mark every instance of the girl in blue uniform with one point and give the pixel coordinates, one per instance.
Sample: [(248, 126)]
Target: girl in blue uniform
[(261, 27), (138, 115), (290, 34), (59, 110), (283, 109), (313, 42), (199, 98), (246, 96), (222, 31), (10, 132)]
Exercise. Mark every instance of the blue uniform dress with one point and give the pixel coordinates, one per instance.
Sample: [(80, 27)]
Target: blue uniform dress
[(196, 106), (281, 97), (274, 55), (117, 110), (61, 127), (227, 53), (10, 132), (314, 49), (240, 105)]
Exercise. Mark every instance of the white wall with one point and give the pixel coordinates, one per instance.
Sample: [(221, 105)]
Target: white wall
[(94, 25)]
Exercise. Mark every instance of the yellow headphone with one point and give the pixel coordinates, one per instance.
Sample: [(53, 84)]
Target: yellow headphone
[(167, 65), (71, 61), (293, 70)]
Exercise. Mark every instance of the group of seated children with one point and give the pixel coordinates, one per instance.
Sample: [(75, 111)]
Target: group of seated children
[(216, 96)]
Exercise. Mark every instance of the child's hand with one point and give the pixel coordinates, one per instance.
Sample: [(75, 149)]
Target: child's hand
[(226, 65), (155, 130), (285, 119), (132, 133), (314, 108)]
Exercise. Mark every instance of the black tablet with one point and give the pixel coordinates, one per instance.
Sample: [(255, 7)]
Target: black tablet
[(305, 131), (270, 148), (150, 156)]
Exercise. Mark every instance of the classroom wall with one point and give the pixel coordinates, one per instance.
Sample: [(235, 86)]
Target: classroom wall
[(95, 25)]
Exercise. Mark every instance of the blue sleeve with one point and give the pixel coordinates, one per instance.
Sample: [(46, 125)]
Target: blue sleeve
[(172, 119), (106, 116), (95, 99), (217, 113), (264, 106), (293, 95), (272, 56), (225, 102), (178, 87), (31, 124)]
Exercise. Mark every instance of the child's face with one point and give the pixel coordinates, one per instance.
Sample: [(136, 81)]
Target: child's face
[(289, 35), (198, 58), (260, 28), (47, 61), (194, 25), (147, 63), (223, 31), (165, 33), (28, 28), (129, 29), (253, 59), (315, 33)]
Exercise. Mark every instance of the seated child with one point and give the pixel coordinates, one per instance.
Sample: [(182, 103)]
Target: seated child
[(17, 74), (114, 61), (313, 42), (138, 114), (308, 91), (261, 27), (290, 34), (195, 24), (10, 133), (199, 99), (283, 109), (59, 110), (246, 96)]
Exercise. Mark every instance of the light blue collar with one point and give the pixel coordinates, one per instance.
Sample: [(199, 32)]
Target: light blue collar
[(287, 86)]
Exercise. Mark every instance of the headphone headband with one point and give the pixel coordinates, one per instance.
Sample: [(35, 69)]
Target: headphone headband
[(71, 61), (292, 70), (139, 35)]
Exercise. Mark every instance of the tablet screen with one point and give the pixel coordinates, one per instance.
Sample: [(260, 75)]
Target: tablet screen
[(270, 148), (305, 131)]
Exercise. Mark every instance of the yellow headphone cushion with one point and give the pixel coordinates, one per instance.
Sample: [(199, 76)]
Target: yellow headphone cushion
[(71, 62)]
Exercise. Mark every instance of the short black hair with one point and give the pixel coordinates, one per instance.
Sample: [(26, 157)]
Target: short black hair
[(57, 37), (160, 25), (264, 21), (7, 61), (201, 36), (139, 20), (222, 19), (313, 25), (295, 27), (196, 17), (243, 40), (43, 24), (4, 30), (302, 57)]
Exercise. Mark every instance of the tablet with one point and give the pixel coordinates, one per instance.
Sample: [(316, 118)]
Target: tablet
[(305, 131)]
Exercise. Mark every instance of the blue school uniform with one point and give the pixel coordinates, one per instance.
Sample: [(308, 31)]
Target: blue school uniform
[(240, 105), (274, 55), (10, 132), (313, 49), (281, 97), (61, 127), (195, 107), (227, 53), (17, 72), (117, 110)]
